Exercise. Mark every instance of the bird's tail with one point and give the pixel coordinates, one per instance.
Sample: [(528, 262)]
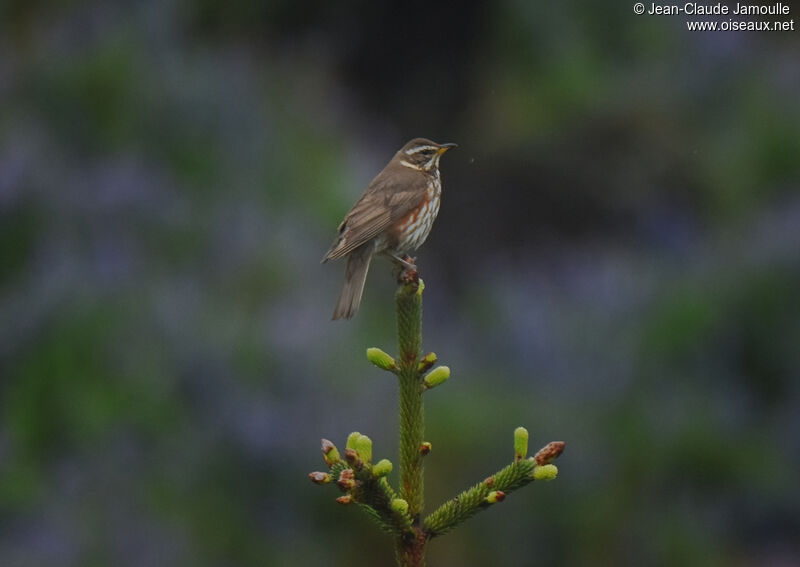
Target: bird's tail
[(355, 274)]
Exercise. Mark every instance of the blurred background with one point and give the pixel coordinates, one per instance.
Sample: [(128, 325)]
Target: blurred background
[(616, 265)]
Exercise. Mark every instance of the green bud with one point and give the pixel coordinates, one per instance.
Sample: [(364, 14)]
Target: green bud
[(364, 447), (351, 440), (495, 496), (520, 443), (319, 477), (426, 362), (400, 506), (545, 472), (330, 453), (421, 287), (381, 359), (382, 468), (437, 376)]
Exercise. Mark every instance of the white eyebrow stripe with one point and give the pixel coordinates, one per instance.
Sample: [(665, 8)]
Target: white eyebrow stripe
[(411, 165), (420, 149)]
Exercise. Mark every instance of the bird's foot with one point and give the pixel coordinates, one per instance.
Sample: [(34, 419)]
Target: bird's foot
[(408, 276), (406, 269)]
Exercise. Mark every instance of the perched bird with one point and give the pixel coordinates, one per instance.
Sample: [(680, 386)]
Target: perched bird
[(392, 217)]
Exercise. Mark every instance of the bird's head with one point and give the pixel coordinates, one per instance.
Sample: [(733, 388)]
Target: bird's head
[(422, 154)]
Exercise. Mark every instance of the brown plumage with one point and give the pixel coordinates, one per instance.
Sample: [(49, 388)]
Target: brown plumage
[(392, 217)]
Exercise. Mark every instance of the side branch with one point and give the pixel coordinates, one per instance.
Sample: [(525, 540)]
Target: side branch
[(365, 484), (494, 489)]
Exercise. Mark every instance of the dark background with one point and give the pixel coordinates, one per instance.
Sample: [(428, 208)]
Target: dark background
[(615, 264)]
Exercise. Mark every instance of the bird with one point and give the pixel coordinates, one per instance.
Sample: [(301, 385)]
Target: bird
[(393, 217)]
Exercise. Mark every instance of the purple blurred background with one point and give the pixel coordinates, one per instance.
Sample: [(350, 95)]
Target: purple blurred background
[(615, 264)]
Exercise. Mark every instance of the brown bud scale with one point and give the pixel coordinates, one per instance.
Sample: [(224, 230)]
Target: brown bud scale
[(319, 477), (549, 453)]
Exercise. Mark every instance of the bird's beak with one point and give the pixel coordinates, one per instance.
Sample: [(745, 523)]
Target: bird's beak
[(444, 147)]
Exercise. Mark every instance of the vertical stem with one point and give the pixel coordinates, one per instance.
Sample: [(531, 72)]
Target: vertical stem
[(411, 552), (412, 425)]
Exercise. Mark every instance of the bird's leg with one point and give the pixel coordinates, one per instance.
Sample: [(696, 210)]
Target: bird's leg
[(406, 262)]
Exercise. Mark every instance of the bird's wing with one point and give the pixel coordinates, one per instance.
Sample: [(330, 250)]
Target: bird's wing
[(390, 197)]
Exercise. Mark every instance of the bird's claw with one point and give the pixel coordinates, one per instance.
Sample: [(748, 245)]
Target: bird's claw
[(408, 276)]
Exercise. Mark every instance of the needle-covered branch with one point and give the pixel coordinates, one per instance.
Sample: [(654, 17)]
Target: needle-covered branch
[(399, 511), (496, 487), (412, 417)]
